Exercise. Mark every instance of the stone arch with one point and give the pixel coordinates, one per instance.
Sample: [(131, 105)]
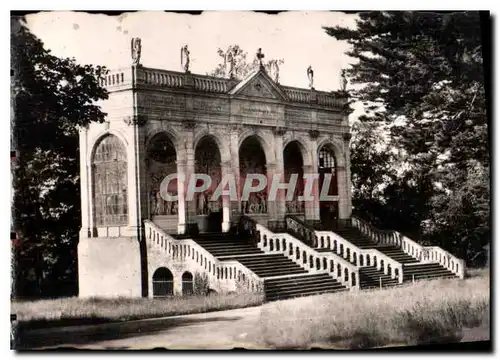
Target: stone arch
[(163, 282), (174, 137), (306, 154), (266, 146), (109, 181), (98, 138), (252, 159), (162, 157), (187, 283), (335, 148), (218, 137)]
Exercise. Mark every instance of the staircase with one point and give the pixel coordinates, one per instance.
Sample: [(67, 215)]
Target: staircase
[(224, 244), (395, 253), (425, 271), (370, 277), (305, 285), (283, 278), (268, 265)]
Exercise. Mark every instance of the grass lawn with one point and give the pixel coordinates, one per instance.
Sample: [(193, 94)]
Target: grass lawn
[(420, 313), (76, 311)]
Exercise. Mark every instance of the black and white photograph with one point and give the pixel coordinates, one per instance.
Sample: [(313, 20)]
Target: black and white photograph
[(259, 180)]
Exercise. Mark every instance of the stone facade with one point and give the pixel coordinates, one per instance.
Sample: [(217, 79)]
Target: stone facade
[(187, 109)]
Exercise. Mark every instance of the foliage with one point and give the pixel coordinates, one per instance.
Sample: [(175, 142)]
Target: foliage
[(420, 79), (424, 312), (201, 284), (51, 98), (124, 309), (242, 66)]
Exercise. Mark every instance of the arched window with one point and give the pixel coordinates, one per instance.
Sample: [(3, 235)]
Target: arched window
[(187, 283), (163, 283), (109, 169)]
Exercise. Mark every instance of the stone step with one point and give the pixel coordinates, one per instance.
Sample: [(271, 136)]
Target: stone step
[(307, 279), (279, 272), (276, 297), (294, 292)]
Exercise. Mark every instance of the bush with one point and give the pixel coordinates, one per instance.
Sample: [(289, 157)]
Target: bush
[(425, 312)]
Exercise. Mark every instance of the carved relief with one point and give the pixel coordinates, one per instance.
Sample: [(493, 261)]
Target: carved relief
[(211, 105), (259, 89), (256, 204)]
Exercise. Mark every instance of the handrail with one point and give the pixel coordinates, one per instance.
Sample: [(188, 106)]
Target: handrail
[(359, 256), (307, 257), (217, 269), (301, 230), (426, 254)]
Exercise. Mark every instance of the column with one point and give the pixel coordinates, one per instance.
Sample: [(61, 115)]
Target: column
[(309, 204), (85, 185), (344, 184), (279, 169), (181, 195), (347, 153), (235, 167), (191, 222), (137, 199), (226, 201), (313, 148)]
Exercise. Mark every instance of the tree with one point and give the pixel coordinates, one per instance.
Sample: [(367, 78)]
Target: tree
[(421, 77), (52, 98), (242, 66)]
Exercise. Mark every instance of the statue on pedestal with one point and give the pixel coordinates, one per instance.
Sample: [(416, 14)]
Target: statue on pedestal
[(343, 84), (159, 204), (135, 47), (230, 59), (202, 204), (185, 58), (310, 76)]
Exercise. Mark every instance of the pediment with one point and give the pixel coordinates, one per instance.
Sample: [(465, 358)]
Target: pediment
[(260, 85)]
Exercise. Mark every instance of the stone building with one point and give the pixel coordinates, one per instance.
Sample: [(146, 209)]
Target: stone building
[(162, 122)]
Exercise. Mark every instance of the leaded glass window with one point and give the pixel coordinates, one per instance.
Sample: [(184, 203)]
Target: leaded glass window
[(326, 159), (109, 168)]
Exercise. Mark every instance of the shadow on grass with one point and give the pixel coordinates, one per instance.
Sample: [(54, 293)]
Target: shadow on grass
[(26, 339)]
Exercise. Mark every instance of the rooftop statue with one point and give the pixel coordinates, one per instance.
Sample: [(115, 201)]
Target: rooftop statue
[(135, 48), (230, 58), (310, 76), (343, 81), (185, 58)]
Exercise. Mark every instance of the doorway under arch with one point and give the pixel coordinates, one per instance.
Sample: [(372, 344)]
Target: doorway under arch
[(327, 164), (163, 283), (187, 284)]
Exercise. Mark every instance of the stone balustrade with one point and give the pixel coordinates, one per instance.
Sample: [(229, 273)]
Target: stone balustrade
[(173, 79), (329, 100), (209, 84), (217, 270), (426, 254), (360, 257), (376, 235), (297, 95), (160, 78), (307, 257), (116, 78)]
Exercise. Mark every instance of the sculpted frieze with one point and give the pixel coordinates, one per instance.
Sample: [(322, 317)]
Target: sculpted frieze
[(210, 105)]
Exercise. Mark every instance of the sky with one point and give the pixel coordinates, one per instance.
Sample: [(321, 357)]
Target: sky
[(295, 37)]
